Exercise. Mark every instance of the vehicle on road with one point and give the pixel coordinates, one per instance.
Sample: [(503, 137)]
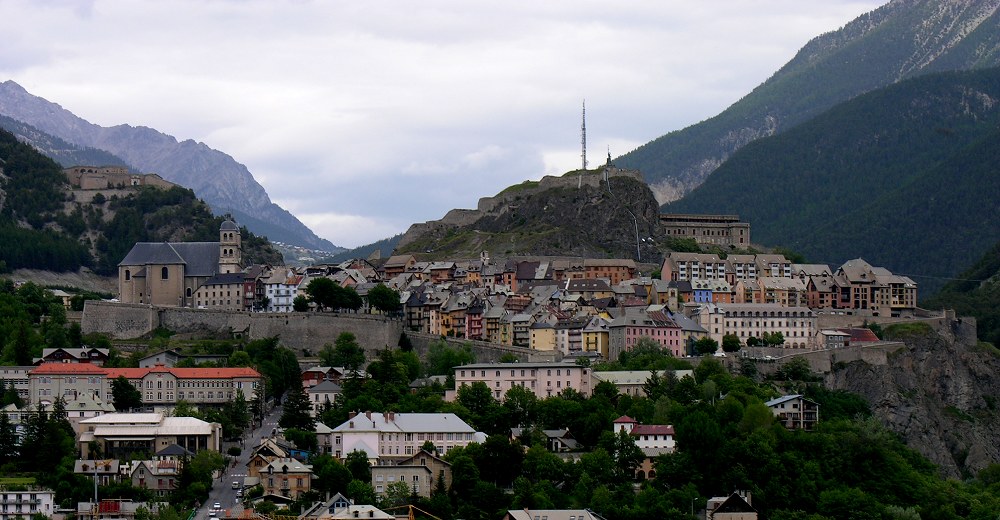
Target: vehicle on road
[(217, 506), (236, 484)]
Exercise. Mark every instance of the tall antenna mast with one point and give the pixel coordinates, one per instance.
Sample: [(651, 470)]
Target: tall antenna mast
[(583, 136)]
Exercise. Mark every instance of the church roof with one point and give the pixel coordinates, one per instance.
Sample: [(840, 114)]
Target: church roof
[(199, 258), (229, 225)]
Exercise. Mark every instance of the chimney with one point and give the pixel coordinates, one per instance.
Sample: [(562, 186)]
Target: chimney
[(392, 416), (350, 415), (385, 417), (368, 414)]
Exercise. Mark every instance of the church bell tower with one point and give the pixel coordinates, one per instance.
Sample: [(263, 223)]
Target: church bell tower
[(230, 248)]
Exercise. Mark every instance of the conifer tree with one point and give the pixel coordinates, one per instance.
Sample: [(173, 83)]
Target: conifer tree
[(297, 410)]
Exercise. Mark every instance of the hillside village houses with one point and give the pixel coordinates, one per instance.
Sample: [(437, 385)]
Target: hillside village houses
[(568, 306)]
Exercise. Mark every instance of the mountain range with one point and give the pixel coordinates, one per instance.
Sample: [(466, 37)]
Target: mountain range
[(900, 40), (904, 176), (225, 184)]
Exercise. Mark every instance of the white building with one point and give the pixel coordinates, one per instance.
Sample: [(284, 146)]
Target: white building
[(647, 436), (399, 435), (25, 504)]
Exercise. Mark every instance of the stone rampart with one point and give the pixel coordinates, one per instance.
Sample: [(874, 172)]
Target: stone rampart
[(823, 361), (484, 351), (204, 323), (306, 333), (118, 320)]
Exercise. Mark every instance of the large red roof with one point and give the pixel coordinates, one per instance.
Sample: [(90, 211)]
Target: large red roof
[(67, 368), (184, 373), (139, 373), (653, 429)]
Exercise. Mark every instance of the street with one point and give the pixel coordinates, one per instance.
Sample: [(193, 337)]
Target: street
[(223, 491)]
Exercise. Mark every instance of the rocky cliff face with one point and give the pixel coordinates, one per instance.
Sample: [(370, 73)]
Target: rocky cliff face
[(217, 178), (941, 395), (558, 216)]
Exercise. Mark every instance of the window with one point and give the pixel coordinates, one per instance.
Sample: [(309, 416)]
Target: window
[(128, 275), (164, 273)]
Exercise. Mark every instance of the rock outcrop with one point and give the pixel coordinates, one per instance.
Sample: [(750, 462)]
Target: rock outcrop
[(941, 395), (579, 214)]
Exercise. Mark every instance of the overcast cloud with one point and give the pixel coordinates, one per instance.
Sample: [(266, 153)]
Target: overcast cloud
[(362, 118)]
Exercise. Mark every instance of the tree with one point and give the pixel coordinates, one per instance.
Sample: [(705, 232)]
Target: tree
[(396, 494), (627, 456), (347, 352), (706, 346), (300, 304), (442, 358), (303, 439), (8, 439), (361, 491), (297, 411), (126, 397), (322, 292), (10, 396), (384, 299), (357, 464), (239, 358), (731, 343), (773, 339), (795, 369), (331, 475)]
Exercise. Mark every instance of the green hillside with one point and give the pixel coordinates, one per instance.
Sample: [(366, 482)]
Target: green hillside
[(897, 41), (905, 177), (975, 292), (62, 152), (44, 226)]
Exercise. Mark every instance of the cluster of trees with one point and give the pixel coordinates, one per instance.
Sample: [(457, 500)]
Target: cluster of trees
[(850, 467), (31, 318), (324, 293)]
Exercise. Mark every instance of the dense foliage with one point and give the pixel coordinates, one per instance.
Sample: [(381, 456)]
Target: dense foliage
[(850, 467), (975, 293), (900, 177)]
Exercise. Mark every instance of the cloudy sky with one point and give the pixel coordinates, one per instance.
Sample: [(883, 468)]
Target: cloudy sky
[(364, 117)]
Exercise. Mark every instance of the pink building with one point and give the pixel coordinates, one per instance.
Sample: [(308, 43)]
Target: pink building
[(543, 379), (626, 330)]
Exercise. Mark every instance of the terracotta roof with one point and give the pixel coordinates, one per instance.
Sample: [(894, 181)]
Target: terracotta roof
[(184, 373), (653, 429), (68, 368), (624, 419)]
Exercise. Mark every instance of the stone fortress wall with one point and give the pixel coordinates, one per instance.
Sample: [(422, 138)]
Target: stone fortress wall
[(104, 177), (301, 332)]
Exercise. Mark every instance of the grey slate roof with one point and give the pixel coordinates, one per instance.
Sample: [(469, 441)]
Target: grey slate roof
[(199, 258), (225, 279)]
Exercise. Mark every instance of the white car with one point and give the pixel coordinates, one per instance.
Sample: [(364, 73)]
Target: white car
[(217, 506)]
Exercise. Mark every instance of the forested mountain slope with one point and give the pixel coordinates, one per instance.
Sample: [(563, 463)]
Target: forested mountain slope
[(905, 177), (900, 40), (46, 225), (975, 292)]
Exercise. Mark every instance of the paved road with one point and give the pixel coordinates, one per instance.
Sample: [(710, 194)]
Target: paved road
[(222, 489)]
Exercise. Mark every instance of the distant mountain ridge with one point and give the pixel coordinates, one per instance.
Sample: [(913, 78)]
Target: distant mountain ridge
[(899, 40), (904, 176), (220, 180)]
